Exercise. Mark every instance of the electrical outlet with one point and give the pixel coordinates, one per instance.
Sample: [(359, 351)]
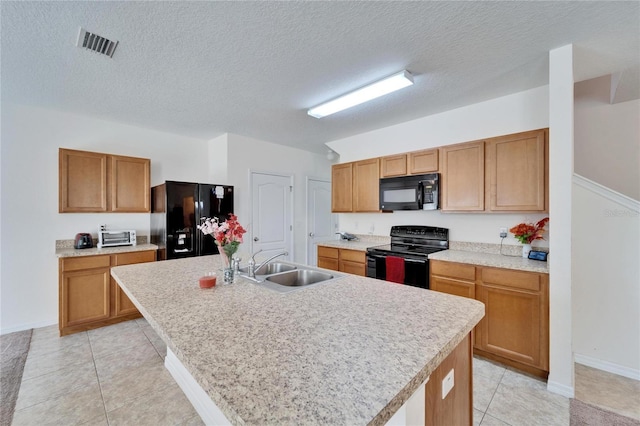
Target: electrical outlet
[(447, 384), (503, 232)]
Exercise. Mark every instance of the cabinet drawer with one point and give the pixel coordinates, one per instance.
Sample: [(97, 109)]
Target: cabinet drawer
[(455, 270), (84, 262), (352, 255), (329, 252), (510, 278), (355, 268), (134, 257), (326, 263)]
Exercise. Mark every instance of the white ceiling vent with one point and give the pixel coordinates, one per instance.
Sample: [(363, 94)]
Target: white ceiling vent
[(96, 43)]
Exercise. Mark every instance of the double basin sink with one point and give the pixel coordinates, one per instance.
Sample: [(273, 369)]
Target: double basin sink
[(285, 277)]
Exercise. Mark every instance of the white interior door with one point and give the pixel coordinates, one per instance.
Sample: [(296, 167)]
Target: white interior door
[(320, 220), (271, 214)]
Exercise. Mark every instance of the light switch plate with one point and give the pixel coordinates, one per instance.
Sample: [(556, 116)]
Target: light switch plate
[(447, 384)]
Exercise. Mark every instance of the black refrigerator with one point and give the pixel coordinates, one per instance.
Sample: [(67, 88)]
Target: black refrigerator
[(176, 210)]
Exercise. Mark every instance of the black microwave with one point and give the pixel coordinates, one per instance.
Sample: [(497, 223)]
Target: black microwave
[(417, 192)]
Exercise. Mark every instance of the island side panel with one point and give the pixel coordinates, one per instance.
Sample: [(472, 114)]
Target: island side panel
[(457, 407)]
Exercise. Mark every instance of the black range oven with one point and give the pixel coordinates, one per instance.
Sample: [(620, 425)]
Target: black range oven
[(412, 243)]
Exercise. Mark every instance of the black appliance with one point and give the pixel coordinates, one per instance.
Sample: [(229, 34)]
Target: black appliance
[(413, 243), (417, 192), (83, 241), (176, 210)]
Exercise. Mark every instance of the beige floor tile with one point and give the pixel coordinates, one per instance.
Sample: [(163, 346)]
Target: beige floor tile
[(609, 391), (155, 340), (166, 406), (38, 364), (56, 384), (80, 406), (107, 344), (487, 368), (492, 421), (483, 390), (477, 417), (522, 400), (113, 330), (127, 360), (48, 343), (125, 387), (193, 421)]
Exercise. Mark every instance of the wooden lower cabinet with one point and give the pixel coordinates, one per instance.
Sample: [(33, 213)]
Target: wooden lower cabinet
[(515, 328), (456, 408), (343, 260), (89, 297)]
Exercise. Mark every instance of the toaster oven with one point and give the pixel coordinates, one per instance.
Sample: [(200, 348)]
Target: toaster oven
[(116, 238)]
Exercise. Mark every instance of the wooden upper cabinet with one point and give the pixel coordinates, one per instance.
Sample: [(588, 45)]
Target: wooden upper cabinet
[(516, 172), (366, 185), (423, 161), (393, 165), (130, 184), (82, 181), (96, 182), (463, 177), (342, 188)]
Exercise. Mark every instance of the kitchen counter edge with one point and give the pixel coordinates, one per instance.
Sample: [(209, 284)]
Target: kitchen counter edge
[(66, 252)]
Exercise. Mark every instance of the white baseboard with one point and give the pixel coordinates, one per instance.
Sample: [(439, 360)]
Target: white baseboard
[(561, 389), (204, 406), (22, 327), (607, 366)]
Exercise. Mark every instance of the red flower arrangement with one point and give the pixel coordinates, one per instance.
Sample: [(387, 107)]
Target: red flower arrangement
[(228, 235), (528, 232)]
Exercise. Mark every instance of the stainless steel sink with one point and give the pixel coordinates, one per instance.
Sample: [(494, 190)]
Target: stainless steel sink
[(271, 268), (299, 278)]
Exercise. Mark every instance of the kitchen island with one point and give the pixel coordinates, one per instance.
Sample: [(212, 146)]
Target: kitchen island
[(347, 351)]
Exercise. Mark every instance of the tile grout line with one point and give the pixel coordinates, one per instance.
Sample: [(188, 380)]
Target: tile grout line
[(491, 400), (93, 358)]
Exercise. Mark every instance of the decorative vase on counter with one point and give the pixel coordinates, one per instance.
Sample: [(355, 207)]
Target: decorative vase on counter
[(526, 248), (227, 251)]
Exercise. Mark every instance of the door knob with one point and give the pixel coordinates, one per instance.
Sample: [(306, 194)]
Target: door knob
[(256, 239), (311, 234)]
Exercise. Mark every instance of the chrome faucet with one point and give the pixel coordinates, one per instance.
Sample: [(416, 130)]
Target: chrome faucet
[(252, 267)]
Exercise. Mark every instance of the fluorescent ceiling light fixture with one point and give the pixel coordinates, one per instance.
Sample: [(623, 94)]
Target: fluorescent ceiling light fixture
[(374, 90)]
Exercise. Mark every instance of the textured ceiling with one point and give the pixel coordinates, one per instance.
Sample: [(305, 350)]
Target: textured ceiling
[(253, 68)]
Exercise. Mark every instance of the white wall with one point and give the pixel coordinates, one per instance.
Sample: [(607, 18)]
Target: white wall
[(560, 173), (606, 279), (519, 112), (246, 154), (607, 137), (30, 219)]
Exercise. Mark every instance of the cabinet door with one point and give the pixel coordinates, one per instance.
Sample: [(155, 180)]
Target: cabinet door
[(342, 188), (394, 165), (463, 177), (84, 297), (366, 185), (82, 185), (130, 184), (516, 172), (515, 325), (423, 161)]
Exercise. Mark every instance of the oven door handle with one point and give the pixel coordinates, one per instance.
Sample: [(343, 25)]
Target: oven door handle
[(414, 261), (382, 256), (420, 191)]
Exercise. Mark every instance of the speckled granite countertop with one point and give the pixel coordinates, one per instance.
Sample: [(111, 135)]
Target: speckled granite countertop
[(362, 244), (495, 260), (71, 252), (349, 351)]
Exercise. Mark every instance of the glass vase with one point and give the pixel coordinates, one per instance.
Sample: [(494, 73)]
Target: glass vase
[(227, 270)]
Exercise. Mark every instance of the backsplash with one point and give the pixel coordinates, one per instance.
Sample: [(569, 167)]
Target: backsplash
[(67, 244), (510, 250)]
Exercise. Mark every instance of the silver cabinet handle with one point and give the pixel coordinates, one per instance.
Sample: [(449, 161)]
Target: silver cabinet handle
[(256, 239), (311, 234)]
